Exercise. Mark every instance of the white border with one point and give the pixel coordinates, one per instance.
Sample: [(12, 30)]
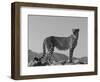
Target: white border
[(25, 70)]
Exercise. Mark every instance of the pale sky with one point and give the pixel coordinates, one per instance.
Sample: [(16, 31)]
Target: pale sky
[(40, 27)]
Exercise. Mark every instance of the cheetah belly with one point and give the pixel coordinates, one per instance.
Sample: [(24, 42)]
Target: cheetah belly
[(62, 44)]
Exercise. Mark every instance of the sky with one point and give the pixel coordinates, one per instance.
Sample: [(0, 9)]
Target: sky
[(40, 27)]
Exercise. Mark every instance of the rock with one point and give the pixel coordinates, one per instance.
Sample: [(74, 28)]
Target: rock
[(83, 60), (35, 59)]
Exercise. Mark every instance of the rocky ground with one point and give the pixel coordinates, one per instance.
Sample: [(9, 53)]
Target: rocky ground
[(34, 59)]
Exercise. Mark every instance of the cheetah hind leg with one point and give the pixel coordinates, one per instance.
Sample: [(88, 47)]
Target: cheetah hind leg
[(71, 55)]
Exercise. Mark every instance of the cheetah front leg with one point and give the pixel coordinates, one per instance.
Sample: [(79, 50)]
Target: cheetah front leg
[(71, 55)]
